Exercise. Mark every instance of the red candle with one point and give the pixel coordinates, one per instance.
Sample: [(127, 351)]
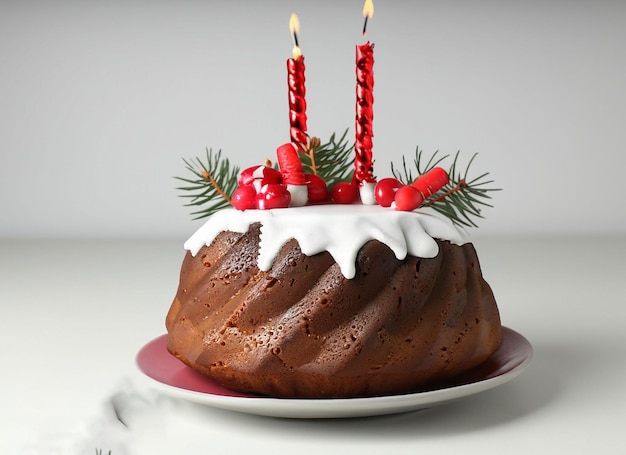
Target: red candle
[(363, 161), (297, 90)]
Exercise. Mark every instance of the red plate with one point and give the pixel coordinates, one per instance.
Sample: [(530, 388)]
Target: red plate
[(175, 378)]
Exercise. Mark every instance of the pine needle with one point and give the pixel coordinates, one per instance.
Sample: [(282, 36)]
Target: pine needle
[(462, 199), (333, 161), (213, 183)]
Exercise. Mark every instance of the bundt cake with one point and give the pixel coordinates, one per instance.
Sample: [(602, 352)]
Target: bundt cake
[(328, 301), (321, 281)]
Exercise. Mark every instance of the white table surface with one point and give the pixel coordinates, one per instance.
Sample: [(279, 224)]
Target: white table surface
[(74, 313)]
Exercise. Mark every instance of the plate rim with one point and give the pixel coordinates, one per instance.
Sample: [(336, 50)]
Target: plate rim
[(342, 407)]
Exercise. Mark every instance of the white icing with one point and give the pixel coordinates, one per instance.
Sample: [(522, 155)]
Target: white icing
[(339, 229)]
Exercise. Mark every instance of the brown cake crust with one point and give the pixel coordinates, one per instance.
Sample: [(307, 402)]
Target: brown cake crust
[(302, 329)]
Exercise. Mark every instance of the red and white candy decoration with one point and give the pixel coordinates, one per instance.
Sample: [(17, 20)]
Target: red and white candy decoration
[(255, 181), (316, 186), (257, 176), (273, 196), (293, 173), (263, 187), (260, 187)]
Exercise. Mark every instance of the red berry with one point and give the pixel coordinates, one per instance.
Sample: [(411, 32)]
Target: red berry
[(244, 198), (408, 198), (385, 190), (273, 196), (316, 186), (258, 176), (344, 193)]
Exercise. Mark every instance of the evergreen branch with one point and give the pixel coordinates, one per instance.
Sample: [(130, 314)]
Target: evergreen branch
[(406, 175), (462, 199), (332, 161), (215, 180), (432, 162)]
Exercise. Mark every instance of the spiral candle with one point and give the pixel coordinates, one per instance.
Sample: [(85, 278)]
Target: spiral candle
[(363, 164), (297, 101), (297, 90)]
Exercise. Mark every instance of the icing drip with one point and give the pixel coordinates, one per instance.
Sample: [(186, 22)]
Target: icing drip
[(339, 229)]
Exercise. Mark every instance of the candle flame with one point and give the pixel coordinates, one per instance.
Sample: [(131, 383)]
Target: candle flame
[(368, 9), (294, 24), (294, 29)]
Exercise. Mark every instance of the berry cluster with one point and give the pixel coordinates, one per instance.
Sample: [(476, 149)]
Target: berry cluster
[(390, 191), (263, 187)]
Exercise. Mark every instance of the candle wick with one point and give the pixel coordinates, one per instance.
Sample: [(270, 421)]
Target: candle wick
[(295, 39), (365, 25)]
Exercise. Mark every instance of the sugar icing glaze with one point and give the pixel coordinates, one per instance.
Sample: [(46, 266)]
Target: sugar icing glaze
[(339, 229)]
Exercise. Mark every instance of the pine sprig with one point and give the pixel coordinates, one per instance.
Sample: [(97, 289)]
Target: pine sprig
[(462, 199), (332, 161), (405, 175), (215, 181)]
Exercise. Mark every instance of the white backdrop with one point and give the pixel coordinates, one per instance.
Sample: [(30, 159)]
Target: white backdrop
[(100, 101)]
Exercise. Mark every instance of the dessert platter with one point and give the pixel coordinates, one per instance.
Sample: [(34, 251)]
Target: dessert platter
[(316, 289), (173, 378)]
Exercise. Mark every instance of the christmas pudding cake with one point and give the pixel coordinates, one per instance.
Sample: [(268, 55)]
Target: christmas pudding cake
[(313, 279), (332, 297)]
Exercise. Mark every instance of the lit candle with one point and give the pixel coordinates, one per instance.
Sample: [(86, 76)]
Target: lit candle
[(363, 161), (363, 171), (297, 90)]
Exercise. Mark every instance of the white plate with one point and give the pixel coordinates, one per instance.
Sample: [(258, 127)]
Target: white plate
[(176, 379)]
